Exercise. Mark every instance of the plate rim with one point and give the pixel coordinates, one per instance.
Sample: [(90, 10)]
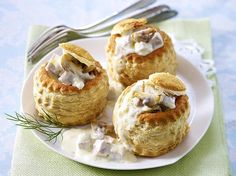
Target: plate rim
[(32, 71)]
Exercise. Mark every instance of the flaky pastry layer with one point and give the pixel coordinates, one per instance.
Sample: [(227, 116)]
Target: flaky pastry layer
[(137, 67), (68, 104), (155, 132)]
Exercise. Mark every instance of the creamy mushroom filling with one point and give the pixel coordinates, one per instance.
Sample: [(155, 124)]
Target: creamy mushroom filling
[(102, 145), (94, 143), (142, 97), (68, 70), (142, 42)]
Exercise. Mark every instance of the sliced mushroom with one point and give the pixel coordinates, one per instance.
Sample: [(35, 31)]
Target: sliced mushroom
[(149, 102), (79, 54), (68, 65), (138, 102), (88, 66), (148, 97), (143, 35)]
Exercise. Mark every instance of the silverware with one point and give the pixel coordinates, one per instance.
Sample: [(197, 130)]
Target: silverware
[(155, 14), (140, 4), (59, 30)]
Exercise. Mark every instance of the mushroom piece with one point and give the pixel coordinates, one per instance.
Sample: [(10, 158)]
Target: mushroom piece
[(69, 64), (79, 55), (145, 99), (53, 66), (143, 35)]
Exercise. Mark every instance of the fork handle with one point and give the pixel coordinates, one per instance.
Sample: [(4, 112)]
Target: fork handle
[(154, 14), (135, 6), (155, 18)]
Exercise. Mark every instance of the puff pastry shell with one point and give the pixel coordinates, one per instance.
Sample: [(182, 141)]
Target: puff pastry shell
[(156, 133), (137, 67), (66, 103)]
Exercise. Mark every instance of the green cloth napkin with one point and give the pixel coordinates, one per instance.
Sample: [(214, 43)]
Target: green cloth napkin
[(208, 158)]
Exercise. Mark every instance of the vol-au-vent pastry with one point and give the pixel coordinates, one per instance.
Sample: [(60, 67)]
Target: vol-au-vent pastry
[(71, 87), (150, 116), (135, 50)]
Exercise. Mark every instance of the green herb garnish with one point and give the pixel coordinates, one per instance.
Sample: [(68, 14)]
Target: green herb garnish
[(45, 127)]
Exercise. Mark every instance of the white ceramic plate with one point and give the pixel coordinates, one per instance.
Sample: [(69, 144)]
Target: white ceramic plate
[(199, 92)]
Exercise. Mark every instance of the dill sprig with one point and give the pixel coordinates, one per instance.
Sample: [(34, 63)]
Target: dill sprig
[(50, 127)]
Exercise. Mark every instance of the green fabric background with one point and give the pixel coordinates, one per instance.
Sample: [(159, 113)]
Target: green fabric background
[(208, 158)]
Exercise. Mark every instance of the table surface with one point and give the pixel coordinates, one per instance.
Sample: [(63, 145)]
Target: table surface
[(17, 16)]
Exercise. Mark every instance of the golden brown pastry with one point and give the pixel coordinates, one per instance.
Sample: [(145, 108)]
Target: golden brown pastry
[(135, 50), (71, 88), (150, 116)]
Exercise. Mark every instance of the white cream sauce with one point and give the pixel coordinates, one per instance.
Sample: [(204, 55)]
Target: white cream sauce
[(125, 45), (93, 144), (76, 79)]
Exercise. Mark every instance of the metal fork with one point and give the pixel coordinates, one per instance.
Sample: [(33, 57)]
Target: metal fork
[(154, 14), (53, 32)]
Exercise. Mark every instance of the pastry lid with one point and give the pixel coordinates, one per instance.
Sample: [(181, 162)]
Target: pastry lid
[(169, 83), (128, 24), (79, 54)]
